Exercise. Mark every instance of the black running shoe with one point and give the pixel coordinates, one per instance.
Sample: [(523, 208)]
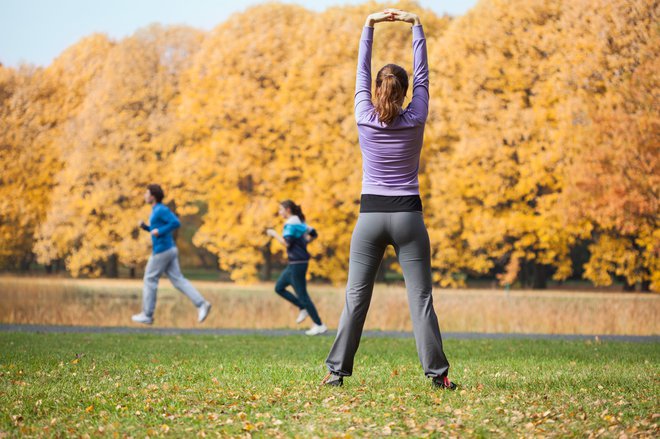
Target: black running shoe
[(444, 383), (332, 379)]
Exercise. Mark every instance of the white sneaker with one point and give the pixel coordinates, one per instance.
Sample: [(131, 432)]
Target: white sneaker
[(302, 316), (203, 311), (142, 318), (316, 330)]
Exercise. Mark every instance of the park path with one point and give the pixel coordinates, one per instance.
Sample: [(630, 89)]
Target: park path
[(290, 332)]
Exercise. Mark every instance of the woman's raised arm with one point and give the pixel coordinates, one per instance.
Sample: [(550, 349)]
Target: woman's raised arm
[(419, 104), (363, 102)]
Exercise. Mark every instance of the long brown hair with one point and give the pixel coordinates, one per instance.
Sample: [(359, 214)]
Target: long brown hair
[(391, 87), (294, 208)]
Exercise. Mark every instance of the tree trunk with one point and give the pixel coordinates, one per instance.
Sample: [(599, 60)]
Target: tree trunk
[(524, 275), (534, 275), (267, 267), (26, 262), (112, 267), (539, 276), (646, 286), (627, 286), (200, 255)]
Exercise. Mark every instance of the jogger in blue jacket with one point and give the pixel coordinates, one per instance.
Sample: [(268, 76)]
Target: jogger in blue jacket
[(164, 259)]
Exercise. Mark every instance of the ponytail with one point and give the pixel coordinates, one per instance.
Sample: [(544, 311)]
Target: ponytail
[(391, 87), (294, 208)]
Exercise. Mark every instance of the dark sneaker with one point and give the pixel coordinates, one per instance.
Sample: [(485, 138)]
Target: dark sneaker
[(332, 379), (444, 383)]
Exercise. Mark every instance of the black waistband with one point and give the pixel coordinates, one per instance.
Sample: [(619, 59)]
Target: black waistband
[(386, 203)]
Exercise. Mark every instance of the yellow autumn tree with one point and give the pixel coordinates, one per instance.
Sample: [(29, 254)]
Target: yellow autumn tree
[(37, 107), (495, 167), (534, 105), (517, 81), (119, 142), (26, 162), (286, 129), (613, 137)]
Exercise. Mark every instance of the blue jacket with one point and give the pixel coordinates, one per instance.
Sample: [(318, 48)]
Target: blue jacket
[(166, 222), (295, 232)]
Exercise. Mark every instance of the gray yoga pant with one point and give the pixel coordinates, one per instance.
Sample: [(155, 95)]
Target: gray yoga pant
[(373, 232)]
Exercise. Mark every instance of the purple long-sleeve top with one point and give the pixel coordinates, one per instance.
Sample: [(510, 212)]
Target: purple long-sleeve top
[(390, 153)]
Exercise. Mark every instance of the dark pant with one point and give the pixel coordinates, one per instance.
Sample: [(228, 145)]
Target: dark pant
[(372, 234), (294, 275)]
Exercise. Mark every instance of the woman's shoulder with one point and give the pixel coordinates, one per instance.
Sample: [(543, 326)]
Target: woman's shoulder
[(406, 119)]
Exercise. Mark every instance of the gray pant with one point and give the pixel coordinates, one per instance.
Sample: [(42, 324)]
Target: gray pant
[(372, 234), (165, 262)]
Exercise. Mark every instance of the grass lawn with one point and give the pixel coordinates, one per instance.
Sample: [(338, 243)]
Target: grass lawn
[(151, 385)]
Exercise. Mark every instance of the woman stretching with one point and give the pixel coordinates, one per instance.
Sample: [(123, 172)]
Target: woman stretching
[(390, 207), (295, 237)]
